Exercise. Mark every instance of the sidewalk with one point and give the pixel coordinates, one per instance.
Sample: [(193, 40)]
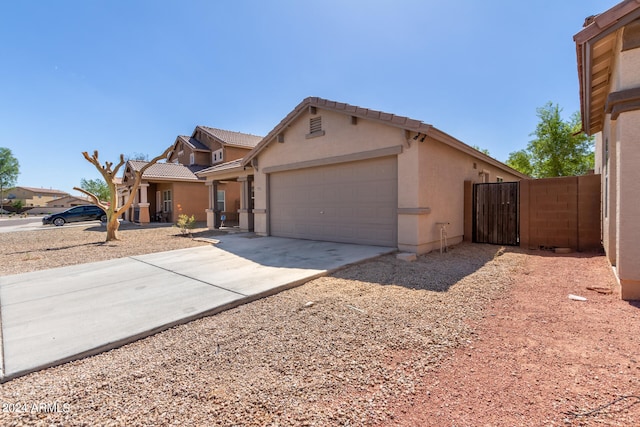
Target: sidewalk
[(54, 316)]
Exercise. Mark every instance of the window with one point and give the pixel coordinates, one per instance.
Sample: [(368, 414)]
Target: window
[(216, 156), (166, 200), (499, 179), (192, 158), (221, 206)]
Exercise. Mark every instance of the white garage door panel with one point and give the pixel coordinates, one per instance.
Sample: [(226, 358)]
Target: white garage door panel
[(351, 202)]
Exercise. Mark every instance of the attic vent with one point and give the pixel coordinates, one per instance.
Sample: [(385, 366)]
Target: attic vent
[(315, 127)]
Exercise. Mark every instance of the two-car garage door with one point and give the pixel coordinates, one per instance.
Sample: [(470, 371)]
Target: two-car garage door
[(352, 202)]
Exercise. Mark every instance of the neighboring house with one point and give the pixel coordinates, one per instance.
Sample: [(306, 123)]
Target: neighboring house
[(69, 202), (337, 172), (608, 56), (173, 188), (32, 197), (166, 191)]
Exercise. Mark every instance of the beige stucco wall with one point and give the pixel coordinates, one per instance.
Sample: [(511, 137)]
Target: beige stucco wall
[(628, 208), (627, 64), (431, 174), (190, 199), (31, 198), (440, 187), (621, 179), (607, 167), (233, 153), (341, 138)]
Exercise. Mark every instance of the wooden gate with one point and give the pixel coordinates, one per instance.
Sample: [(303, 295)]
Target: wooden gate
[(496, 213)]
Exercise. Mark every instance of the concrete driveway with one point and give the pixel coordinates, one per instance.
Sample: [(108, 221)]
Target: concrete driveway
[(53, 316)]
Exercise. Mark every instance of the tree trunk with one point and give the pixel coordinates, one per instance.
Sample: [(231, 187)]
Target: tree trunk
[(112, 228)]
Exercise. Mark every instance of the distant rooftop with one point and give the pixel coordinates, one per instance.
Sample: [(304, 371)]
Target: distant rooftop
[(43, 190)]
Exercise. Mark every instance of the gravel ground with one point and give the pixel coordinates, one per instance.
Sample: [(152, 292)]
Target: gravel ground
[(67, 245), (361, 347)]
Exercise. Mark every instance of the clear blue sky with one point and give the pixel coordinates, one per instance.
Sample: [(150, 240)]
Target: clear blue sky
[(129, 76)]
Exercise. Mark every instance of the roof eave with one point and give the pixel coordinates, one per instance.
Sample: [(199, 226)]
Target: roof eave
[(600, 27), (234, 170), (323, 104), (449, 140), (170, 179)]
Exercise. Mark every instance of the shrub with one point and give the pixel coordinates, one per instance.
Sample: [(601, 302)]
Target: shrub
[(186, 223)]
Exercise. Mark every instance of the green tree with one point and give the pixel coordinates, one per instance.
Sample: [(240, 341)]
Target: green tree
[(9, 171), (482, 150), (520, 161), (560, 148), (97, 187)]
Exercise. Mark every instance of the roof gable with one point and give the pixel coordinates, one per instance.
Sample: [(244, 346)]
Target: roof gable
[(193, 143), (340, 107), (408, 124)]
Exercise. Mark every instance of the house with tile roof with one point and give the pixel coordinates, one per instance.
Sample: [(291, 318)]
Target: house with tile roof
[(173, 188), (32, 196), (608, 59), (338, 172), (69, 202)]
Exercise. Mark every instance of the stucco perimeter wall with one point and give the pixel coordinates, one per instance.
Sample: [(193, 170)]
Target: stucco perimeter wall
[(190, 199), (560, 212), (440, 188)]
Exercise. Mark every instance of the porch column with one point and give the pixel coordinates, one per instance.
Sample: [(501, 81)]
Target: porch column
[(216, 212), (210, 209), (213, 214), (246, 210), (143, 205)]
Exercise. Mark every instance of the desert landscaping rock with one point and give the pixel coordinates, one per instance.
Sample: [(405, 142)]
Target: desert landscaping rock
[(480, 335)]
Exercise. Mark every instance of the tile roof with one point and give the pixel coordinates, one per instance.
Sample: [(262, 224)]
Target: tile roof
[(401, 122), (167, 171), (221, 167), (366, 113), (194, 143), (43, 190), (595, 54), (233, 138)]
